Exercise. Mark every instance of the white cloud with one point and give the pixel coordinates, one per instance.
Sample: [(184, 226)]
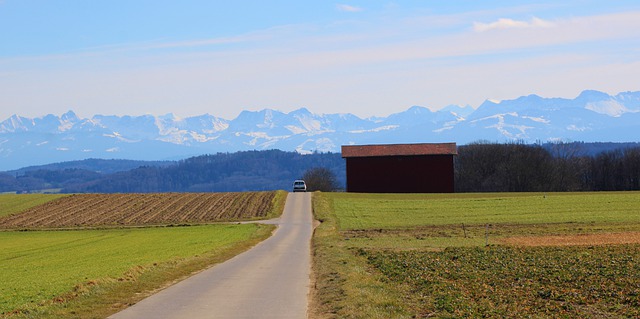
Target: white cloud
[(504, 23), (348, 8)]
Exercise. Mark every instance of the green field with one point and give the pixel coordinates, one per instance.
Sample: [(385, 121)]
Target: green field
[(15, 203), (358, 211), (409, 256), (91, 273), (40, 266)]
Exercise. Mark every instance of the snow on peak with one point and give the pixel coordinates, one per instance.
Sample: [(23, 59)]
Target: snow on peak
[(13, 124), (377, 129), (608, 107), (537, 119), (500, 117), (592, 115)]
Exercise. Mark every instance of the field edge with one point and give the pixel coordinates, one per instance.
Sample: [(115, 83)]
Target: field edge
[(333, 265)]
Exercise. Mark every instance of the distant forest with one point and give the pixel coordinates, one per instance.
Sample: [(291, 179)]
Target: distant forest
[(222, 172), (479, 167), (517, 167)]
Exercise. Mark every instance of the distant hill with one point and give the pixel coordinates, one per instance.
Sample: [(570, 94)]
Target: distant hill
[(591, 117), (103, 166), (222, 172)]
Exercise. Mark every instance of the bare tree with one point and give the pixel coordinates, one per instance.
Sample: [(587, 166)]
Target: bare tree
[(320, 179), (568, 160), (512, 167)]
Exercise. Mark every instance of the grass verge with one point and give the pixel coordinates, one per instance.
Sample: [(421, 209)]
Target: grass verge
[(277, 204), (345, 285)]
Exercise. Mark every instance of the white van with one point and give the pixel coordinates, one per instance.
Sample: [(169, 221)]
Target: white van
[(299, 186)]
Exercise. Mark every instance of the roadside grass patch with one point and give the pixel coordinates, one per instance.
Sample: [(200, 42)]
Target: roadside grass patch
[(277, 205), (345, 286), (48, 273)]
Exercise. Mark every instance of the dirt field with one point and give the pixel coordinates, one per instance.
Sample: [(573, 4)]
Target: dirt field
[(88, 210), (576, 240)]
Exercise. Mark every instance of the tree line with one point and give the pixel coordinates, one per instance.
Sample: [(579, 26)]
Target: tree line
[(518, 167), (479, 167), (222, 172)]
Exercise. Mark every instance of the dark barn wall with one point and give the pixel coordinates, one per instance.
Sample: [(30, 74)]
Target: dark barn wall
[(400, 174)]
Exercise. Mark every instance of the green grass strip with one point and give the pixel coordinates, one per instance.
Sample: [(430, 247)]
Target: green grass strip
[(388, 211)]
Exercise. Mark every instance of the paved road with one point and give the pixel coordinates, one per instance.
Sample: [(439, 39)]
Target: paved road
[(269, 281)]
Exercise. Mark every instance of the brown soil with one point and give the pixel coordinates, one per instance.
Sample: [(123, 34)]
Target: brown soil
[(575, 240), (95, 210)]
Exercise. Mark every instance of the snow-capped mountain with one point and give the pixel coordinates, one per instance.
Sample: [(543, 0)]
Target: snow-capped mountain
[(592, 116)]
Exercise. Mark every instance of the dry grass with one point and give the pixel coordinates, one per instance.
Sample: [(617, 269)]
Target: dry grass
[(575, 240)]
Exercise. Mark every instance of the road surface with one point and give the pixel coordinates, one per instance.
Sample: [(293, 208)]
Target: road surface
[(270, 280)]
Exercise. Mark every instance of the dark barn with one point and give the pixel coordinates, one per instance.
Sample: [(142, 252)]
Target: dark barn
[(400, 168)]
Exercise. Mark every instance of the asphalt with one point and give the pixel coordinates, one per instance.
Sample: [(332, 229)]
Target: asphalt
[(271, 280)]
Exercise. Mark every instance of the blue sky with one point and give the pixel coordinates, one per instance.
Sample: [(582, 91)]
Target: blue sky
[(369, 58)]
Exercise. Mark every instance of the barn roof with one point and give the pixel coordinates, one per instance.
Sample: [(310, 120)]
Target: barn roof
[(399, 149)]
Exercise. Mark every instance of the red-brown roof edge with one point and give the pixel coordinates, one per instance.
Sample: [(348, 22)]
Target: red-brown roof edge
[(399, 149)]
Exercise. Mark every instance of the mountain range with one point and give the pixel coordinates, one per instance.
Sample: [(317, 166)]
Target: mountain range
[(593, 116)]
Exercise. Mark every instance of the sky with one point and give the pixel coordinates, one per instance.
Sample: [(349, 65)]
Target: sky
[(368, 58)]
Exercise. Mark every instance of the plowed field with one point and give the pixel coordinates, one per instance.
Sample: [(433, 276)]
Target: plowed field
[(88, 210)]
